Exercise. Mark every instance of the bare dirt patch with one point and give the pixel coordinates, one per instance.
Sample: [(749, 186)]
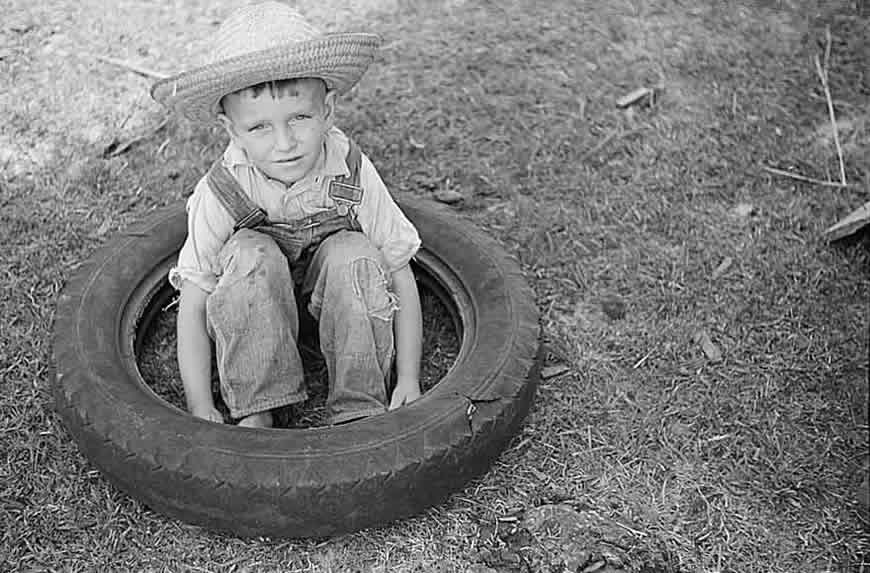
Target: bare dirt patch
[(62, 103)]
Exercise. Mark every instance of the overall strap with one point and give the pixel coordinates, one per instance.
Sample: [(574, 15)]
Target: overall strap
[(345, 190), (241, 208)]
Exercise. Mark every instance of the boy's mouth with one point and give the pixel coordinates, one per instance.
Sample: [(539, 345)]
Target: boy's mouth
[(289, 160)]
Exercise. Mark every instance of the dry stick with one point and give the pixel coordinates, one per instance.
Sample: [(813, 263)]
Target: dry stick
[(823, 76), (804, 178), (136, 68), (607, 139), (598, 146), (124, 146)]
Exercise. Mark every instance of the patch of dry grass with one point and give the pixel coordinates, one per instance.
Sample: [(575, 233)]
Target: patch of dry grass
[(752, 462)]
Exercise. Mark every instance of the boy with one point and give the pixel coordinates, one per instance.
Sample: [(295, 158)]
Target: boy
[(292, 208)]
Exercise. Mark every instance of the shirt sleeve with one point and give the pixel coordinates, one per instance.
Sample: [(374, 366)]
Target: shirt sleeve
[(383, 222), (209, 226)]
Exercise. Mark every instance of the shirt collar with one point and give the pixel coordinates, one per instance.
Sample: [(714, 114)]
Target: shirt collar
[(330, 163)]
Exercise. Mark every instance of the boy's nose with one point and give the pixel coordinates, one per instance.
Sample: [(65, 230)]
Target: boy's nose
[(285, 139)]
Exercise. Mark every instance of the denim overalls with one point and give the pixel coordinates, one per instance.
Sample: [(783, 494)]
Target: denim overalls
[(252, 314)]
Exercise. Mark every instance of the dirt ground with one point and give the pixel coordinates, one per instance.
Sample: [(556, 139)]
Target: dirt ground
[(58, 92)]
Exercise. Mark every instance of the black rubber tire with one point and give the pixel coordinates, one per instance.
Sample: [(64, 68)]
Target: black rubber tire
[(301, 482)]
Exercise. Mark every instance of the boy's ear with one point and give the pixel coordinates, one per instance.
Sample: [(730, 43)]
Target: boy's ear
[(329, 107), (227, 123)]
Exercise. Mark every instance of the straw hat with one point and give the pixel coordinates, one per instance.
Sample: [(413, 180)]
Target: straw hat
[(263, 42)]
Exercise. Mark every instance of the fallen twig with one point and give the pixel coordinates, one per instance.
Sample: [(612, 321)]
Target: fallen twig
[(162, 146), (640, 362), (118, 147), (553, 371), (805, 179), (822, 72), (135, 68), (607, 139), (598, 146)]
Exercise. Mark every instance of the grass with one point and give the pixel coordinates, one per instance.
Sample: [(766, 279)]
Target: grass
[(752, 462)]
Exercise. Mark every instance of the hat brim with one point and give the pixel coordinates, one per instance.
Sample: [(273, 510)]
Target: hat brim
[(338, 59)]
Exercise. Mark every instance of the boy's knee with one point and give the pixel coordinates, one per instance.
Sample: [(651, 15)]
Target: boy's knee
[(347, 246), (354, 278), (248, 252)]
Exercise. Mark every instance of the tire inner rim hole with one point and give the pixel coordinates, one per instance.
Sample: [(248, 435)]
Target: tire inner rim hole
[(158, 364)]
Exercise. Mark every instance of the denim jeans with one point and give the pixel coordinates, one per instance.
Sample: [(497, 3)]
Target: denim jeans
[(253, 318)]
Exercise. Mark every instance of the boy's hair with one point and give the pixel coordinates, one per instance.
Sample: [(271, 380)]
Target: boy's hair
[(275, 87)]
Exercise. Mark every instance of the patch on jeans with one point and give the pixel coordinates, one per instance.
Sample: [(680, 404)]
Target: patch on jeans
[(244, 253), (370, 284)]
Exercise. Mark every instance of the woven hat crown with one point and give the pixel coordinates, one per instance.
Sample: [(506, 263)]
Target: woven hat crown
[(260, 27)]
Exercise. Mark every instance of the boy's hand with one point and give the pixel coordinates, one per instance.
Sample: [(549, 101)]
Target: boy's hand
[(404, 393), (209, 413)]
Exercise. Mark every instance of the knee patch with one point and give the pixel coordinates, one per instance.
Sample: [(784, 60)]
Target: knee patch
[(371, 286), (247, 252)]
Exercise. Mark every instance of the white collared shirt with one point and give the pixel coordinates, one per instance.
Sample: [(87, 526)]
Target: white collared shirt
[(210, 225)]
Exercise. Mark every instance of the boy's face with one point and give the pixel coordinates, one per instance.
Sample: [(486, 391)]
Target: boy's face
[(281, 132)]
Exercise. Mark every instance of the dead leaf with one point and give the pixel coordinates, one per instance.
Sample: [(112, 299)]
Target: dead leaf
[(448, 196), (595, 566), (708, 346), (22, 27), (103, 228), (416, 144), (722, 268), (744, 209)]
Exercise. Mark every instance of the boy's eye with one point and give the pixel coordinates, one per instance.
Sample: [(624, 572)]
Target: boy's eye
[(257, 127)]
